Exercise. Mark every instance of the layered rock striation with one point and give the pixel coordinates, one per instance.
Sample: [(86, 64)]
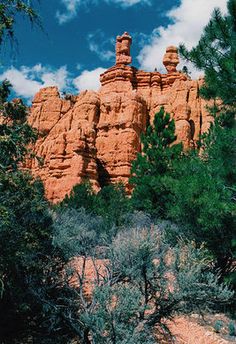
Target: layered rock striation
[(96, 135)]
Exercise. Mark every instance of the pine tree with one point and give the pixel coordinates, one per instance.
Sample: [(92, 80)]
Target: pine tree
[(215, 54), (206, 207), (152, 167), (15, 133), (28, 263), (9, 10)]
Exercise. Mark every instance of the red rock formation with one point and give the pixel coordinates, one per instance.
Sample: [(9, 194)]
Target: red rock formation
[(171, 59), (123, 44), (67, 140), (96, 135)]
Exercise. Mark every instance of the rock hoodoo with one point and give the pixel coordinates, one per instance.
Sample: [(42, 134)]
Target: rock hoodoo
[(96, 135), (123, 44), (171, 59)]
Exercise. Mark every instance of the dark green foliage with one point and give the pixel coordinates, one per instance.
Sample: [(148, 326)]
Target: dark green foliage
[(24, 245), (203, 203), (216, 55), (81, 196), (29, 267), (232, 329), (205, 188), (31, 289), (24, 222), (219, 150), (152, 168), (15, 133), (218, 326), (26, 263), (111, 202), (9, 9)]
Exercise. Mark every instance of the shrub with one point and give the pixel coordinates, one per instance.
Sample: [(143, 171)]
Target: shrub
[(218, 326), (143, 282), (232, 328), (78, 233)]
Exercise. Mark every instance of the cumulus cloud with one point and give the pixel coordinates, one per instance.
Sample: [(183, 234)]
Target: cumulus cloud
[(187, 22), (21, 84), (89, 80), (72, 7), (26, 81), (100, 45)]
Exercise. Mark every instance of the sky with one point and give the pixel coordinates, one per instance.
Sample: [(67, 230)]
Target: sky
[(77, 40)]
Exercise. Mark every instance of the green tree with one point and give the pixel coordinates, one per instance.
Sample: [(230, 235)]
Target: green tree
[(32, 291), (203, 207), (81, 196), (111, 202), (28, 263), (205, 188), (9, 10), (152, 167), (15, 134), (215, 54)]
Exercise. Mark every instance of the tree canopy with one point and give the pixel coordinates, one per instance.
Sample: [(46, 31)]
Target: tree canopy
[(152, 167)]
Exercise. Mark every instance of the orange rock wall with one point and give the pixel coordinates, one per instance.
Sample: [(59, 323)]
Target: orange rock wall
[(67, 139), (96, 135)]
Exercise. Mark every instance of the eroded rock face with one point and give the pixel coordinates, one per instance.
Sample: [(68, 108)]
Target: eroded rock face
[(122, 119), (96, 135), (68, 147)]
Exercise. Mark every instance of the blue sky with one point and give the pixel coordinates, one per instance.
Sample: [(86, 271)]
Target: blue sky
[(78, 40)]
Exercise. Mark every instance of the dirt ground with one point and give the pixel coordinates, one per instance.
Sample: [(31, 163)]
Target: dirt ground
[(188, 331)]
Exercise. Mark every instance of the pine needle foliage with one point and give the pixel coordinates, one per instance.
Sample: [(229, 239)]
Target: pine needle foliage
[(15, 133), (152, 167), (207, 207), (215, 54), (9, 10)]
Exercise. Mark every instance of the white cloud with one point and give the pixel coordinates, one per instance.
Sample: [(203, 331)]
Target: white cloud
[(100, 45), (26, 81), (72, 7), (187, 23), (21, 84), (89, 80), (58, 78), (71, 10), (104, 55)]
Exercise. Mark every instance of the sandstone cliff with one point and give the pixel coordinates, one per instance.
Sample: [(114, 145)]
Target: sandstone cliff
[(96, 135)]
